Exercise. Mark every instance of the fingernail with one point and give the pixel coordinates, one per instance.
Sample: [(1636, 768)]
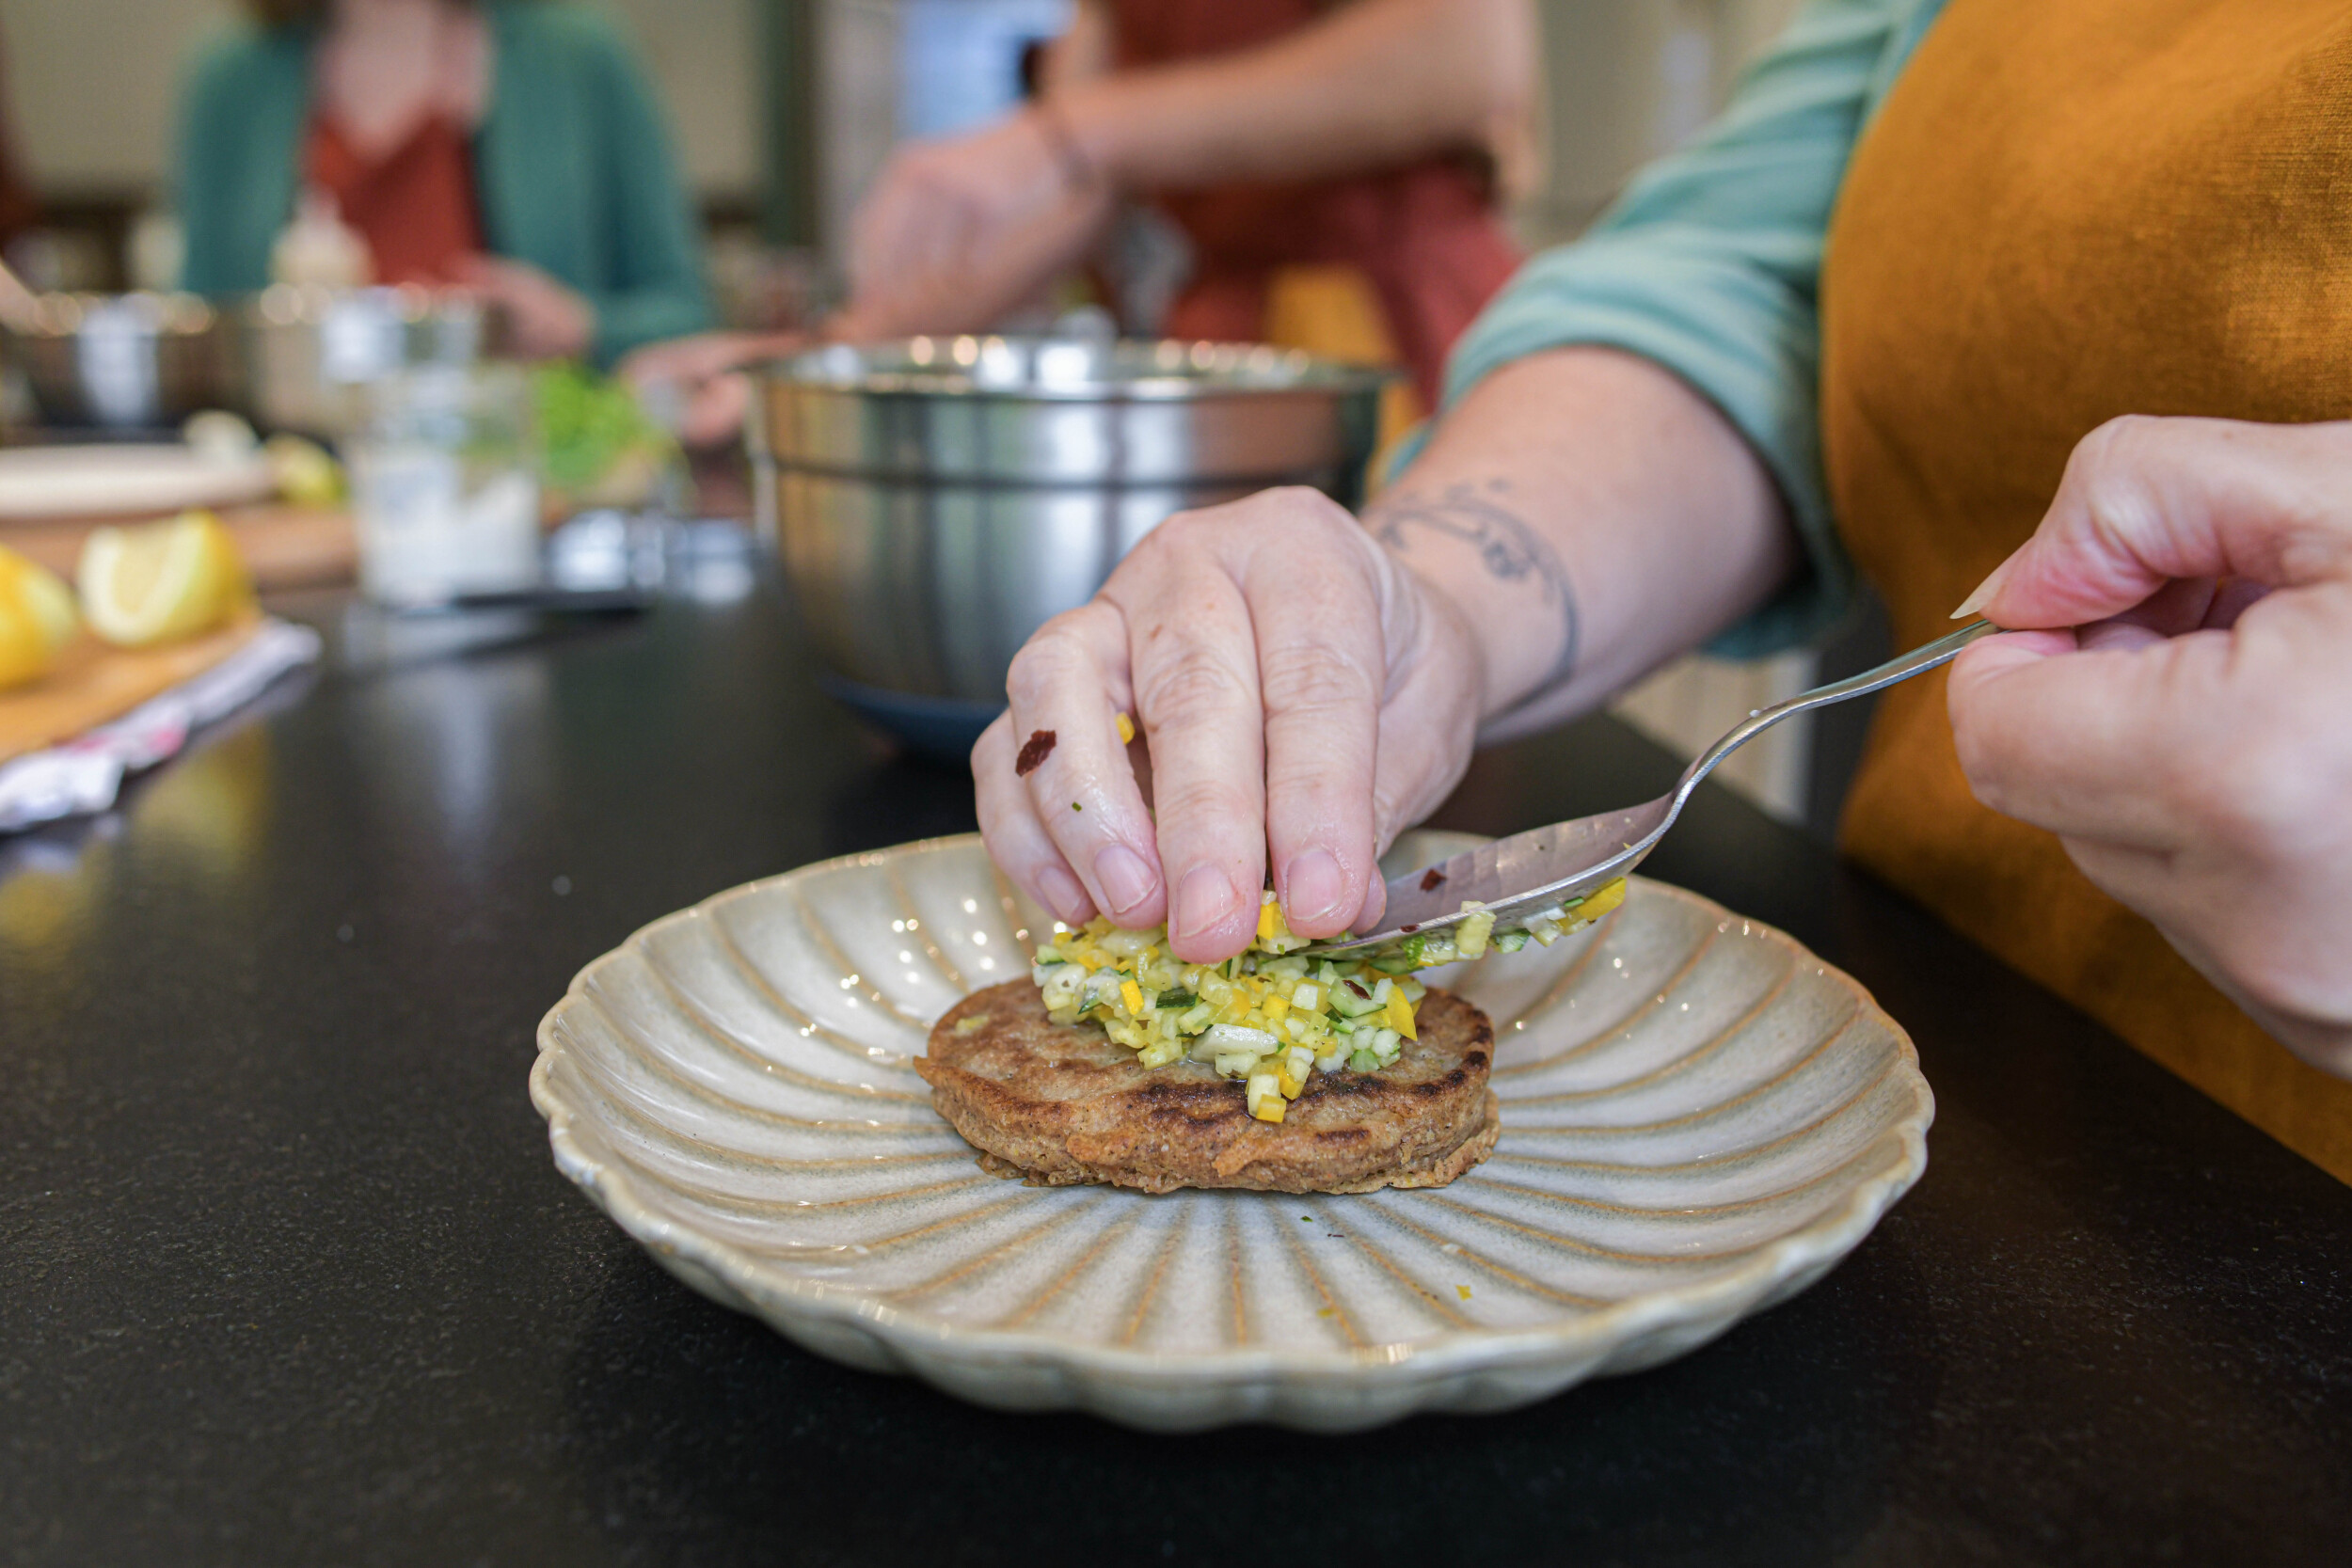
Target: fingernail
[(1312, 887), (1983, 596), (1205, 898), (1126, 880), (1063, 895)]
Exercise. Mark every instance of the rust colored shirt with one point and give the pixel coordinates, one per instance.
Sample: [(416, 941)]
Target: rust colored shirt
[(1424, 235), (415, 205)]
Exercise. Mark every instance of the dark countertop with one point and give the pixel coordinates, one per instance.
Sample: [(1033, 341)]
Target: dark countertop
[(286, 1273)]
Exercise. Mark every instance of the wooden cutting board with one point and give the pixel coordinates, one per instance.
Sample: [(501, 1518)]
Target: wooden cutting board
[(284, 546), (94, 682)]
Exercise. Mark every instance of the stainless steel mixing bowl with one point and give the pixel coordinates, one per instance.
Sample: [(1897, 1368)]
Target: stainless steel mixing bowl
[(936, 500), (136, 361)]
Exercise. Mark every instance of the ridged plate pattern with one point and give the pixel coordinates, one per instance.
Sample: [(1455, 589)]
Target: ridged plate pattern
[(1700, 1118)]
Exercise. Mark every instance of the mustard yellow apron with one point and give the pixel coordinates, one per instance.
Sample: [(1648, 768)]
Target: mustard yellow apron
[(2065, 211)]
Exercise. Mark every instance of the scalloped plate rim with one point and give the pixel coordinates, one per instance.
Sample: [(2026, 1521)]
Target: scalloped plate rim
[(1584, 1343)]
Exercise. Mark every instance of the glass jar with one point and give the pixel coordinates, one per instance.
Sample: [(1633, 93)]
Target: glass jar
[(445, 486)]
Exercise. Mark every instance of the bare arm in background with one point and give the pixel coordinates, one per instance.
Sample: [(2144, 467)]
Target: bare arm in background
[(1376, 83), (958, 232), (1310, 686)]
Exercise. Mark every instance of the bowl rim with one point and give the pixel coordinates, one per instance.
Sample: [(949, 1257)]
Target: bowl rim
[(1178, 372)]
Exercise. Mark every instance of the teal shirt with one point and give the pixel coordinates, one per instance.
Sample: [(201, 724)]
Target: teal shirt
[(1710, 266), (572, 169)]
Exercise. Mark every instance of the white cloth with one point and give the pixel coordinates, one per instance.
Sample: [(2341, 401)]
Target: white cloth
[(84, 774)]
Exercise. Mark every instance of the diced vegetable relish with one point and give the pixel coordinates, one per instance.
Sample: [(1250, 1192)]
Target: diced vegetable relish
[(1281, 1011)]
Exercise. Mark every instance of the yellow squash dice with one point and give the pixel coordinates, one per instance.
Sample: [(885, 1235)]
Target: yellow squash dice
[(1399, 1015)]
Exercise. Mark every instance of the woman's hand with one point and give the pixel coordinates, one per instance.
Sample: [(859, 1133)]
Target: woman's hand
[(2191, 744), (1298, 690), (546, 319), (957, 232)]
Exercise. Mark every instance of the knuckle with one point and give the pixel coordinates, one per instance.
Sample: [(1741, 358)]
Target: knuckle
[(1032, 672), (1162, 558), (1301, 501), (1054, 655), (2118, 445), (1192, 686), (1314, 681), (1306, 504), (2105, 470), (1250, 517), (1214, 804), (1176, 531), (1227, 537), (1304, 518)]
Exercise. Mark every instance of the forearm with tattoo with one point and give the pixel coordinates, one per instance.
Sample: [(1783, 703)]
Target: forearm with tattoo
[(1510, 551)]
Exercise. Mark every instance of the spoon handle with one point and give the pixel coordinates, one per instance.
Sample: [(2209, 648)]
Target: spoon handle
[(1901, 668)]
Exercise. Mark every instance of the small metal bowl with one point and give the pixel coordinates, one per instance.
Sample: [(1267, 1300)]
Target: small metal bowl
[(135, 361), (309, 355), (937, 500)]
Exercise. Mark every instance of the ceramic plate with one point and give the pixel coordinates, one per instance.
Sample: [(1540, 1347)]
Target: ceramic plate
[(1699, 1119)]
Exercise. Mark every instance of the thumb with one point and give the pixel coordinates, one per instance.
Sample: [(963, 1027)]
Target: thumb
[(2084, 741), (2147, 501)]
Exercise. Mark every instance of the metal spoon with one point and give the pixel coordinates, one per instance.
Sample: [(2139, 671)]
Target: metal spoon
[(1518, 875)]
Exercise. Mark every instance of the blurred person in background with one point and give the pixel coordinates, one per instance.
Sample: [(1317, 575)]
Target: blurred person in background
[(18, 205), (1335, 167), (510, 149), (19, 208)]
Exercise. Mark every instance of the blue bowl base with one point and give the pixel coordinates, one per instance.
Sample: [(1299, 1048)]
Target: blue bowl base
[(943, 728)]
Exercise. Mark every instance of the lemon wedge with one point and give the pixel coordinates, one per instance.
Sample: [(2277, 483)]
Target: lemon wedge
[(36, 618), (162, 580)]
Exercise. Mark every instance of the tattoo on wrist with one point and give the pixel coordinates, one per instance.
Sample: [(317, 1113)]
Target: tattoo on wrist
[(1509, 548)]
